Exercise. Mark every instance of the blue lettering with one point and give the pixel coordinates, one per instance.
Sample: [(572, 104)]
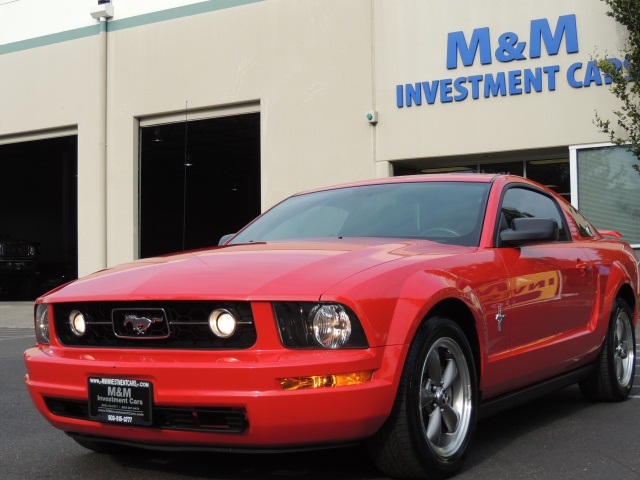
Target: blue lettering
[(430, 91), (413, 94), (514, 82), (532, 79), (509, 48), (593, 74), (495, 86), (445, 91), (551, 72), (617, 64), (475, 80), (463, 91), (626, 66), (541, 33), (571, 75), (457, 45), (544, 38)]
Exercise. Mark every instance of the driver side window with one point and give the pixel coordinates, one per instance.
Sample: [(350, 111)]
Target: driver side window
[(522, 202)]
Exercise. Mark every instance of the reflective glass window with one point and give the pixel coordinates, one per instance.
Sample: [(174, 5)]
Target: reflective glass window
[(609, 190)]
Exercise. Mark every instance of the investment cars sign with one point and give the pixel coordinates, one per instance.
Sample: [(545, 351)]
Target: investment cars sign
[(508, 49)]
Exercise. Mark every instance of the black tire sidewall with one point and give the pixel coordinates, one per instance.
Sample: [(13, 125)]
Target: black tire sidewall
[(620, 392), (432, 330)]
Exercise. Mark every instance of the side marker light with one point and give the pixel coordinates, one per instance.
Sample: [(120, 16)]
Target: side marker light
[(325, 381)]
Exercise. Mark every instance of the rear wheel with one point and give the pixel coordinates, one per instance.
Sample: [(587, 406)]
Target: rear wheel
[(612, 378), (430, 428)]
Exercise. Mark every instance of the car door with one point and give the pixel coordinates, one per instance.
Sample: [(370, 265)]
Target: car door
[(551, 291)]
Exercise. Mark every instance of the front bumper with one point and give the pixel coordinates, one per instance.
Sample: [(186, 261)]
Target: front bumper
[(245, 382)]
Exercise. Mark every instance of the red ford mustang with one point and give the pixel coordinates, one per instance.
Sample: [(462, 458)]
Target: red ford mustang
[(394, 311)]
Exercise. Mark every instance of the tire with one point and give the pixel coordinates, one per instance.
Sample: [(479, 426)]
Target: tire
[(433, 418), (612, 379)]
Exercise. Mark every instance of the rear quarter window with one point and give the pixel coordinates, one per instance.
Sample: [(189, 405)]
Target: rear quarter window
[(584, 227)]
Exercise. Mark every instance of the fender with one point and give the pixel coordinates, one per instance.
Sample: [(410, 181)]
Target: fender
[(611, 279), (613, 284), (421, 293), (392, 303), (397, 304)]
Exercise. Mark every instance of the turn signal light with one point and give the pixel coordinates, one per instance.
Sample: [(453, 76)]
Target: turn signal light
[(325, 381)]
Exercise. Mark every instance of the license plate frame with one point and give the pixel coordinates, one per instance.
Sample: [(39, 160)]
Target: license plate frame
[(120, 401)]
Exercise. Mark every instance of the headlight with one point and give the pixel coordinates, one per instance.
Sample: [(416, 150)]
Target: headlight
[(318, 325), (223, 323), (331, 325), (42, 323), (77, 323)]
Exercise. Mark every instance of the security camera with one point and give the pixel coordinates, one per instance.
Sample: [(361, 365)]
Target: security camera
[(103, 10)]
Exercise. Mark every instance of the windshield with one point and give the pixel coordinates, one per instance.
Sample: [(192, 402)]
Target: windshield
[(445, 212)]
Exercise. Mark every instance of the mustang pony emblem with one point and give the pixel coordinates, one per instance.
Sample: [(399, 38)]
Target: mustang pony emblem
[(140, 325)]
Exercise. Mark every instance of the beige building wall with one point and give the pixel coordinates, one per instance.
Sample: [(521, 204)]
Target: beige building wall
[(56, 90), (306, 65), (312, 68), (411, 46)]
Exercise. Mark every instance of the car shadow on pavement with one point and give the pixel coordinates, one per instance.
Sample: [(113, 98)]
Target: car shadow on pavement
[(494, 436), (335, 463), (534, 429)]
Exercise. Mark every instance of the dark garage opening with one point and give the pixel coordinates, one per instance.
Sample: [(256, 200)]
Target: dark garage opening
[(38, 216), (199, 180)]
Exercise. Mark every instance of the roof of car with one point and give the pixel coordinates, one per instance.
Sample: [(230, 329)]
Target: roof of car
[(434, 177)]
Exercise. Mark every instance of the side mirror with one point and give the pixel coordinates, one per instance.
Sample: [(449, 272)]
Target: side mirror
[(530, 230), (225, 238)]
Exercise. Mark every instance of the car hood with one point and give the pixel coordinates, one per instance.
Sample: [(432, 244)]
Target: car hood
[(261, 271)]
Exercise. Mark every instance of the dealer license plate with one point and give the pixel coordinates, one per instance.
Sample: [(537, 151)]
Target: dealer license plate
[(120, 400)]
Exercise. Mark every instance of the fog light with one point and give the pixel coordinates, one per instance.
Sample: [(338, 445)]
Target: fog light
[(331, 325), (223, 323), (77, 323), (326, 381), (42, 323)]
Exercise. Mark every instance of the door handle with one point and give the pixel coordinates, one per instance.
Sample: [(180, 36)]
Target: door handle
[(583, 267)]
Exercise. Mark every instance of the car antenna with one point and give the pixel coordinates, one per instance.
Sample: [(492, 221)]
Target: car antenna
[(184, 187)]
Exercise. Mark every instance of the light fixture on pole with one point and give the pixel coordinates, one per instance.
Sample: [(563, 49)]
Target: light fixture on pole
[(103, 10)]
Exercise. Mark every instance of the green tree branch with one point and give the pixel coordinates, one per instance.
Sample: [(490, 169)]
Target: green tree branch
[(625, 84)]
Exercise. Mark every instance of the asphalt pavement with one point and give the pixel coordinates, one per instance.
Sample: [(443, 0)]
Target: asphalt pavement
[(16, 314)]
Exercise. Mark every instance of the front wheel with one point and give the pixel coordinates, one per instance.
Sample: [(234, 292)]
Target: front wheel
[(430, 427), (612, 378)]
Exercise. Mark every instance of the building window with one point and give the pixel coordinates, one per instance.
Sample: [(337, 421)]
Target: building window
[(198, 181), (510, 168), (553, 173), (608, 185)]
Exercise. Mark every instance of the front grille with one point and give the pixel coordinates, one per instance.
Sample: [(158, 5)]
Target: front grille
[(218, 419), (231, 420), (186, 325)]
